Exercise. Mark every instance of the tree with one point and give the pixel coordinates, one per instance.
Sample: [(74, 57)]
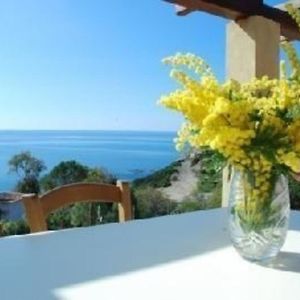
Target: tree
[(100, 175), (64, 173), (28, 168)]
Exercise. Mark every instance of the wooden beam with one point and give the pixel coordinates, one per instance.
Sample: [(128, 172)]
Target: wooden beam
[(235, 10), (223, 8), (295, 3), (181, 10), (288, 27)]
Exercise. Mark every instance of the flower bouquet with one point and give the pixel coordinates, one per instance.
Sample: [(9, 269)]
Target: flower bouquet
[(255, 128)]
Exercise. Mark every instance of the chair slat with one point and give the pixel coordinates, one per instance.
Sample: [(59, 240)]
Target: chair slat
[(82, 192)]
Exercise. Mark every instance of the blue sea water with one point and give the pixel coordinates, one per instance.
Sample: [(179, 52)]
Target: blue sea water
[(126, 154)]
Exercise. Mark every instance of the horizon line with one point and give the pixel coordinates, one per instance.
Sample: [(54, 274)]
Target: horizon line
[(132, 130)]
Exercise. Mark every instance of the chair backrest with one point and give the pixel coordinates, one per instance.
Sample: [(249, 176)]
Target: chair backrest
[(39, 207)]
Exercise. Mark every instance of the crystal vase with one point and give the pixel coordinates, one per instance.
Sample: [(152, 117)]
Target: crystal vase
[(258, 217)]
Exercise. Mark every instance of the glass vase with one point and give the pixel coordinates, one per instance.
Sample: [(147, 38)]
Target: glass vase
[(258, 216)]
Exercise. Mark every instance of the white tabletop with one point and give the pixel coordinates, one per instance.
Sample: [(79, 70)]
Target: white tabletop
[(185, 256)]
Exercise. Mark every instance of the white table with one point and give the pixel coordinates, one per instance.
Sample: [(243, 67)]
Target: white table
[(182, 257)]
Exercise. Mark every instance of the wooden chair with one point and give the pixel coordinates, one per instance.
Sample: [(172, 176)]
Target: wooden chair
[(39, 207)]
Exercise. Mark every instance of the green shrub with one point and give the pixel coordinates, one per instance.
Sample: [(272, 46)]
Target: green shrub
[(210, 174), (188, 206), (215, 200), (150, 202), (14, 227)]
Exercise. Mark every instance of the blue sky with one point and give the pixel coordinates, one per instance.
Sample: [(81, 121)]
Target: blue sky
[(90, 64)]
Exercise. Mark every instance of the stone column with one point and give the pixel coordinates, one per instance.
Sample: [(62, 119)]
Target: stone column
[(252, 51)]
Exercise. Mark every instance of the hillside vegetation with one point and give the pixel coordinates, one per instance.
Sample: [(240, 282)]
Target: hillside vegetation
[(150, 194), (160, 178)]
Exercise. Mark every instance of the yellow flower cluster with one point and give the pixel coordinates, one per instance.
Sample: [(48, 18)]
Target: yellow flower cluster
[(290, 159), (191, 61), (293, 58), (294, 134), (255, 126)]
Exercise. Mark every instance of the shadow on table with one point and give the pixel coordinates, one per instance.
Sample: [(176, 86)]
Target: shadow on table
[(51, 261), (285, 261)]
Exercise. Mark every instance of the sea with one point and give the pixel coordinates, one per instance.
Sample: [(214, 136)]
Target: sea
[(125, 154)]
